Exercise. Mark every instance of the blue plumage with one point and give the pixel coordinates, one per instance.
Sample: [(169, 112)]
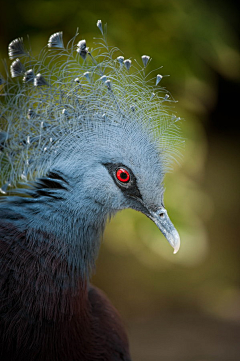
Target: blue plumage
[(86, 137)]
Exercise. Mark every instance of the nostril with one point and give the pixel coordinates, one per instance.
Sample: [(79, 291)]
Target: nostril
[(161, 212)]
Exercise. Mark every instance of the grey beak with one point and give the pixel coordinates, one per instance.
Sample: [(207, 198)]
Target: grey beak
[(162, 221)]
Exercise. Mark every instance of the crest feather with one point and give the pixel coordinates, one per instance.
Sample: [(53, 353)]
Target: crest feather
[(66, 89)]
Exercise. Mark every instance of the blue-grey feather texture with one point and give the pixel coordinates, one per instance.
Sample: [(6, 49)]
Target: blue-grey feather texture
[(67, 104)]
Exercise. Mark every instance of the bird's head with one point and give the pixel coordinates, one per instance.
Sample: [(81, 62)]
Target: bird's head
[(111, 167)]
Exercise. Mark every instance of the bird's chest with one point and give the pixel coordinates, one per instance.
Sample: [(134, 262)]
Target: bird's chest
[(43, 318), (87, 331)]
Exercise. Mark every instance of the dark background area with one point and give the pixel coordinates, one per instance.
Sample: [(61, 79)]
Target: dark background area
[(184, 306)]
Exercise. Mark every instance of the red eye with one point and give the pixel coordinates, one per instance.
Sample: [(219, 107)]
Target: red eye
[(123, 175)]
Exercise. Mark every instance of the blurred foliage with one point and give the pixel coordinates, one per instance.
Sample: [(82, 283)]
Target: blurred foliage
[(195, 42)]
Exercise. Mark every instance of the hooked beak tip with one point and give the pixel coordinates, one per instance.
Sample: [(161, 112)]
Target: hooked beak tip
[(176, 248), (175, 241)]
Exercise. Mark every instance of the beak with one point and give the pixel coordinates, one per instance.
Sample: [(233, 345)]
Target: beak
[(162, 221)]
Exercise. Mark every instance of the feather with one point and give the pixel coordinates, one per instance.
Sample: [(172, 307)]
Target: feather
[(77, 89), (85, 137)]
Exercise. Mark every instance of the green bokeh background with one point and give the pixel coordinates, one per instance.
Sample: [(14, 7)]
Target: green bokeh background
[(184, 306)]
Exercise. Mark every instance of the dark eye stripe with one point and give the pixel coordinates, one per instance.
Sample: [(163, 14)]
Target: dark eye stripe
[(128, 186)]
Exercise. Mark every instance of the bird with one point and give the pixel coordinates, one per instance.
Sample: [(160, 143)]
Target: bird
[(84, 134)]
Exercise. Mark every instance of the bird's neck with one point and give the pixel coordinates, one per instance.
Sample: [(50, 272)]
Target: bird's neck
[(42, 284), (50, 262), (74, 234)]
